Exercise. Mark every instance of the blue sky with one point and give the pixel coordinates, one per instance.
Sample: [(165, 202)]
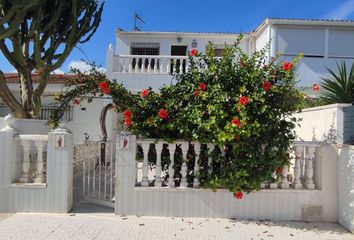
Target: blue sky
[(195, 15)]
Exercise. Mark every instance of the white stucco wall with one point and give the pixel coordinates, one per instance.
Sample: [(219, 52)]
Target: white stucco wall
[(167, 40), (317, 123)]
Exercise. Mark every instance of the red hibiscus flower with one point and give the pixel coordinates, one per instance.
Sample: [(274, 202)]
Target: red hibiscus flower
[(315, 87), (267, 85), (163, 113), (279, 170), (202, 86), (238, 195), (128, 121), (196, 93), (144, 93), (76, 101), (287, 66), (236, 122), (104, 87), (127, 113), (243, 100), (193, 52)]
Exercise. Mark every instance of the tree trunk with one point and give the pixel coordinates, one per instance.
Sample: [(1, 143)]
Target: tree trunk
[(26, 91)]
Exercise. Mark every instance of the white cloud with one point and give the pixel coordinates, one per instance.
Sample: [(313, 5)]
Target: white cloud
[(82, 66), (58, 71), (342, 11)]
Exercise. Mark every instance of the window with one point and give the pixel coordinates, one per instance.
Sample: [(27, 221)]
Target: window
[(309, 41), (340, 43), (145, 48)]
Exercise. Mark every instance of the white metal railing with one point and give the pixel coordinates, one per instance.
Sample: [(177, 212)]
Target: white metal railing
[(33, 158), (300, 174), (150, 64), (98, 171)]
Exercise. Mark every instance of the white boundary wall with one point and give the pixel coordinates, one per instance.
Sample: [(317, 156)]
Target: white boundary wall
[(55, 195), (278, 204), (317, 123)]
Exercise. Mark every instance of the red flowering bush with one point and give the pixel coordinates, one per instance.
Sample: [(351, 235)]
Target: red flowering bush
[(236, 101)]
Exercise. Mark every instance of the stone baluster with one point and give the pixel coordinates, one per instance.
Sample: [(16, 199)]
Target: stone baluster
[(181, 65), (174, 67), (274, 185), (171, 170), (284, 178), (130, 67), (184, 169), (149, 65), (145, 181), (196, 164), (142, 68), (311, 150), (26, 164), (168, 65), (162, 60), (210, 147), (302, 164), (156, 62), (40, 176), (158, 182), (297, 168)]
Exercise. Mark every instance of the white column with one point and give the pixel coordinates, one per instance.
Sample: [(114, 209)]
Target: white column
[(40, 176), (184, 146), (149, 65), (309, 167), (142, 70), (26, 164), (196, 164), (210, 159), (284, 178), (171, 171), (158, 147), (145, 180), (155, 65), (297, 169)]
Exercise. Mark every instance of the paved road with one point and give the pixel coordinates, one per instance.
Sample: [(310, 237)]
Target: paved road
[(107, 226)]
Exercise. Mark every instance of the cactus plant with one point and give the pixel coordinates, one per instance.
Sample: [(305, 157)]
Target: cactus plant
[(39, 35)]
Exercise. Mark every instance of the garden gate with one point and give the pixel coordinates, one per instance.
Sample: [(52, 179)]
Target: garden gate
[(95, 160)]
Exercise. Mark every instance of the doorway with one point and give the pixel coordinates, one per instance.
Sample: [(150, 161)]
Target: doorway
[(178, 65)]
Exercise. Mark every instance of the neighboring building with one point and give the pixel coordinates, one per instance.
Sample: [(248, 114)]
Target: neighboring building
[(143, 59), (80, 119)]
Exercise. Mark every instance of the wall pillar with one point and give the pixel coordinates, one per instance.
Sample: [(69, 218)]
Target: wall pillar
[(346, 187), (125, 172), (60, 169), (7, 160)]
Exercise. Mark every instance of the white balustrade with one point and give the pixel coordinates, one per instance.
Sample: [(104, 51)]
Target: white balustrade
[(158, 182), (303, 152), (145, 181), (171, 171), (147, 64), (184, 146), (196, 164), (33, 145)]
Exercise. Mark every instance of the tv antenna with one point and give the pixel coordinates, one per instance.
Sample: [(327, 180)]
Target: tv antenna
[(137, 19)]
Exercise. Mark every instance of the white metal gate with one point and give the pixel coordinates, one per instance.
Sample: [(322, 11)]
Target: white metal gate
[(98, 171)]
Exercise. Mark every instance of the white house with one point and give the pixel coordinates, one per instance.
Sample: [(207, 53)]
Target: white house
[(142, 59)]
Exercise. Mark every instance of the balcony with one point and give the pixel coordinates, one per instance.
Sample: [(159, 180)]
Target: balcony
[(149, 64)]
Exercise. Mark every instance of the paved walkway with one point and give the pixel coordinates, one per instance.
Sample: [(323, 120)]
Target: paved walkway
[(107, 226)]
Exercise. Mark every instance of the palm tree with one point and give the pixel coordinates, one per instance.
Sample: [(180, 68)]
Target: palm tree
[(339, 87)]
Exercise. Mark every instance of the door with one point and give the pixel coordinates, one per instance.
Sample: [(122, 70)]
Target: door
[(178, 64)]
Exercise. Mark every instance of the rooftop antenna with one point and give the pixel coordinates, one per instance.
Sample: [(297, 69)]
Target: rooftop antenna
[(137, 19)]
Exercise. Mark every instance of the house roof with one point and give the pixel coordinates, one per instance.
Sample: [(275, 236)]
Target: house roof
[(304, 22), (53, 79), (177, 33)]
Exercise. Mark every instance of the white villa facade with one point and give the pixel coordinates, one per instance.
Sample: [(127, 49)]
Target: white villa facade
[(322, 42)]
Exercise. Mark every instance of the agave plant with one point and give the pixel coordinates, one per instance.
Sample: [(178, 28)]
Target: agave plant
[(339, 87)]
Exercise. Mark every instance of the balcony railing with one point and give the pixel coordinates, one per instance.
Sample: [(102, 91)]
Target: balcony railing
[(150, 64)]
